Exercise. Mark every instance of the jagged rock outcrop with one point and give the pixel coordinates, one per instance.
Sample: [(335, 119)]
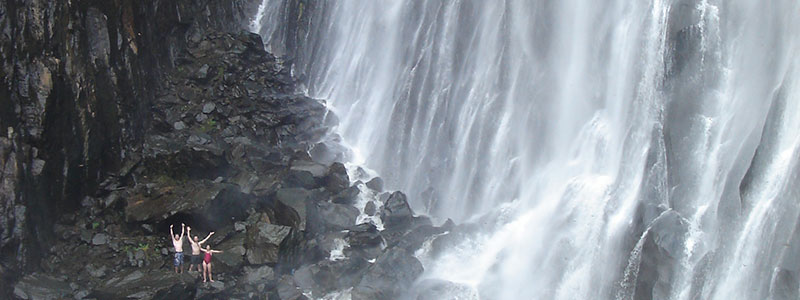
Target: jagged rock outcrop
[(119, 118)]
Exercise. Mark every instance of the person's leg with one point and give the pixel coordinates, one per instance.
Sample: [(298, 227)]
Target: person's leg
[(175, 262), (205, 271), (210, 278)]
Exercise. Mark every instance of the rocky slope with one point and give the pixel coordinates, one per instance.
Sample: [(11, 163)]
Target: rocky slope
[(119, 118)]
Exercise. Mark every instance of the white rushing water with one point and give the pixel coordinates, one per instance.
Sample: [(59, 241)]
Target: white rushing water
[(618, 149)]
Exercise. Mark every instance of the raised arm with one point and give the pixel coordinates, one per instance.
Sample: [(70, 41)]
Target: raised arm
[(171, 234), (216, 251), (183, 228), (189, 232), (207, 237)]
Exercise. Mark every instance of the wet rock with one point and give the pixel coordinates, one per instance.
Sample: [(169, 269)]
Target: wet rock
[(39, 286), (288, 290), (233, 256), (257, 275), (95, 271), (337, 180), (157, 284), (328, 276), (216, 204), (325, 217), (263, 240), (100, 239), (370, 208), (433, 289), (375, 184), (300, 179), (347, 196), (292, 206), (396, 210), (389, 276), (365, 241), (179, 125), (661, 251), (316, 169), (299, 248)]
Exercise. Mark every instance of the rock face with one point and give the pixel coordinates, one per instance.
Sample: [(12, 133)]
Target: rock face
[(79, 80), (119, 118)]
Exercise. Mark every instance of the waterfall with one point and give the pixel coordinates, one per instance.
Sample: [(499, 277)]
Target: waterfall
[(610, 149)]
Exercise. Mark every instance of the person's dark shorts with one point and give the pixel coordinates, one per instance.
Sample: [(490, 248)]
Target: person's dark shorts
[(196, 259), (178, 259)]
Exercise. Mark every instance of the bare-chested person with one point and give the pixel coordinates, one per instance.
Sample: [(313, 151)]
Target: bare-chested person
[(177, 241), (196, 243)]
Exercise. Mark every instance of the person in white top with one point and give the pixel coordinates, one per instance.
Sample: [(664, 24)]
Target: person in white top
[(177, 241), (196, 243)]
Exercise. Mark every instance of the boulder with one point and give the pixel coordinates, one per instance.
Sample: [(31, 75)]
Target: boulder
[(40, 286), (297, 249), (370, 208), (396, 210), (365, 241), (325, 216), (263, 240), (390, 276), (433, 289), (209, 107), (288, 290), (347, 196), (291, 206), (300, 179), (660, 254), (316, 169), (375, 184), (156, 284), (336, 179), (100, 239), (257, 275), (328, 276), (214, 204), (233, 256)]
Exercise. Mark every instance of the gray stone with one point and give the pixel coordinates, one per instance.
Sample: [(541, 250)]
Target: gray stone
[(153, 285), (201, 117), (263, 240), (233, 256), (40, 286), (294, 198), (326, 216), (375, 184), (95, 271), (208, 107), (202, 73), (347, 196), (239, 226), (316, 169), (370, 209), (396, 209), (337, 180), (389, 276), (179, 125), (100, 239), (257, 275)]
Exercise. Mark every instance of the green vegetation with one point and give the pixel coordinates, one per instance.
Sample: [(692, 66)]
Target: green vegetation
[(209, 125)]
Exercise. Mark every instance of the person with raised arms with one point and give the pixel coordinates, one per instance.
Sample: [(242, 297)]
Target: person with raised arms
[(177, 242), (197, 244)]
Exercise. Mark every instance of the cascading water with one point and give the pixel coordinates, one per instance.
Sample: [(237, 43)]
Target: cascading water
[(618, 149)]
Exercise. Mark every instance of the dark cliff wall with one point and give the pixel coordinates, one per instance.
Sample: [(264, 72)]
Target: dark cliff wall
[(79, 78)]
